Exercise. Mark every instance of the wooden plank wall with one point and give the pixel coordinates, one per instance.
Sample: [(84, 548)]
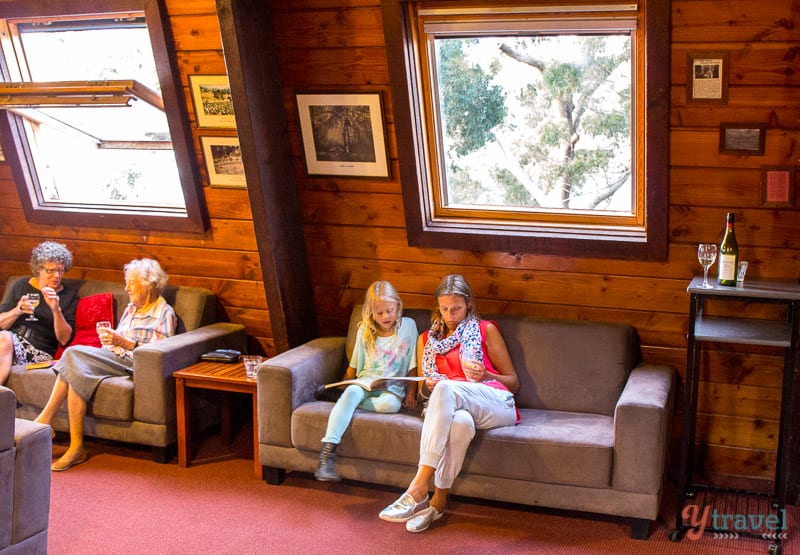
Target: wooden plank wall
[(224, 260), (355, 228), (355, 231)]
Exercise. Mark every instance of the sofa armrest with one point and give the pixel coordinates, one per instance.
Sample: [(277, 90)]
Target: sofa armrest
[(34, 455), (8, 408), (154, 364), (288, 380), (641, 429)]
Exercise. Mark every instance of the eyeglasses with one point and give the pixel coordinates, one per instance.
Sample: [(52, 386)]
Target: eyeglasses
[(51, 271)]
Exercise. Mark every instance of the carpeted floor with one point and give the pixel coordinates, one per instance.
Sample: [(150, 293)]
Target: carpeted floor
[(121, 502)]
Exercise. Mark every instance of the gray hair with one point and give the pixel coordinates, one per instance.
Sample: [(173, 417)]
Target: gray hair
[(50, 251), (149, 272)]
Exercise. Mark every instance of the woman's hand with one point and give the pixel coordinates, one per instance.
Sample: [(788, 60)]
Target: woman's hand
[(474, 370), (24, 305), (50, 296), (106, 336)]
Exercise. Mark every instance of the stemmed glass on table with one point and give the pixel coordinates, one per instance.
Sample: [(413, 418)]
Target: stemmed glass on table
[(33, 299), (706, 254)]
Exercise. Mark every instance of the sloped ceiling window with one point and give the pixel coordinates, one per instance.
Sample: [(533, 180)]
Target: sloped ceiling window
[(526, 126), (93, 127)]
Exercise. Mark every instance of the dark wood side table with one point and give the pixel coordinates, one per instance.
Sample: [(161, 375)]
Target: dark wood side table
[(783, 333), (216, 376)]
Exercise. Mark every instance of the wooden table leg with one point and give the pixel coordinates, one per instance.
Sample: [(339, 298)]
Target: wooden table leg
[(259, 471), (184, 429), (226, 423)]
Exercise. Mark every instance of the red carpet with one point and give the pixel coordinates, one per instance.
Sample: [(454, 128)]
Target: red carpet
[(121, 502)]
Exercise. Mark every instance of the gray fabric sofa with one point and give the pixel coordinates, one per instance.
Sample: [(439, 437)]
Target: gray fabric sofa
[(25, 457), (593, 434), (140, 410)]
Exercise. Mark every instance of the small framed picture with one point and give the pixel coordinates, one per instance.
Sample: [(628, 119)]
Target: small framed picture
[(343, 134), (777, 186), (223, 157), (213, 106), (742, 138), (707, 77)]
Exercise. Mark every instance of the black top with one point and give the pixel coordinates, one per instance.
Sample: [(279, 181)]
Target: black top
[(41, 333)]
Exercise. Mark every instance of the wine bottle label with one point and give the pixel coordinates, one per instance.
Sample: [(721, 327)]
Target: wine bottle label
[(727, 267)]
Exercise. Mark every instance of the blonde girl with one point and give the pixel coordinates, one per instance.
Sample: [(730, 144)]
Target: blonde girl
[(385, 347)]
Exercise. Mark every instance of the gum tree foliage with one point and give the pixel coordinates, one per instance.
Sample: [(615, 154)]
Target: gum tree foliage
[(565, 141)]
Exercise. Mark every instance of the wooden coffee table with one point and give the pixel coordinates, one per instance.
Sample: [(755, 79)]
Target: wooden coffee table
[(216, 376)]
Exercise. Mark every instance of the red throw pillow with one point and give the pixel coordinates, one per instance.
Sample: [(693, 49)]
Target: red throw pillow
[(90, 310)]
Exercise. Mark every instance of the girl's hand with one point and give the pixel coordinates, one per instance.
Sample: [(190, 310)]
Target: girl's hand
[(410, 402), (432, 380)]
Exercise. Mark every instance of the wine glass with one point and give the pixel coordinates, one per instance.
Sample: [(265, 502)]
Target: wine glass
[(33, 299), (706, 254)]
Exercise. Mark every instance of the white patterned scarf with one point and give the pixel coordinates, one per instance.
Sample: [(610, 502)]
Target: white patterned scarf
[(467, 336)]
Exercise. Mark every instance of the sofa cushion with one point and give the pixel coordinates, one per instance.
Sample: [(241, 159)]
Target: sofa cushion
[(90, 310), (554, 375), (113, 399), (534, 450)]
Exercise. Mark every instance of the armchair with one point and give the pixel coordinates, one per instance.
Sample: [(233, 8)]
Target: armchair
[(25, 454)]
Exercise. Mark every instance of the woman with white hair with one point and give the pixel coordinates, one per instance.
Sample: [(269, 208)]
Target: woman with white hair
[(38, 314), (82, 369)]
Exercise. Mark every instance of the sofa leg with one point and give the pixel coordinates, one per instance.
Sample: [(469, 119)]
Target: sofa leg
[(274, 476), (162, 455), (640, 528)]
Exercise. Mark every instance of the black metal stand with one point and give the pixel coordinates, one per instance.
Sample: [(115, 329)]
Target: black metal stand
[(725, 511)]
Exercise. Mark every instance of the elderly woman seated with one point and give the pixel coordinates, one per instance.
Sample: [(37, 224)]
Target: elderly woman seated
[(81, 369), (31, 331)]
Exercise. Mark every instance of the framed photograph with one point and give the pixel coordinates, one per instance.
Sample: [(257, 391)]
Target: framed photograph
[(223, 158), (777, 186), (211, 95), (343, 134), (707, 77), (742, 138)]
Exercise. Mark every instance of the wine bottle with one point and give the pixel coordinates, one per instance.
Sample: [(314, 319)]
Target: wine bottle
[(728, 255)]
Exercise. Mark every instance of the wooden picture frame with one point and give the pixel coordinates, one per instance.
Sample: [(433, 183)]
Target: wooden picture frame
[(707, 77), (223, 157), (742, 138), (213, 105), (360, 151), (777, 186)]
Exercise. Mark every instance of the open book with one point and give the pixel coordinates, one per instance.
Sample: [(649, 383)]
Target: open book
[(369, 383), (37, 365)]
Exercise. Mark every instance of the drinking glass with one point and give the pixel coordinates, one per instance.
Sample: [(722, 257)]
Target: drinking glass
[(33, 298), (706, 254), (470, 357), (102, 324), (251, 363)]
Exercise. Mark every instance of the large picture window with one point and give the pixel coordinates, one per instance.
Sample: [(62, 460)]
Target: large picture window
[(529, 126), (92, 120)]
